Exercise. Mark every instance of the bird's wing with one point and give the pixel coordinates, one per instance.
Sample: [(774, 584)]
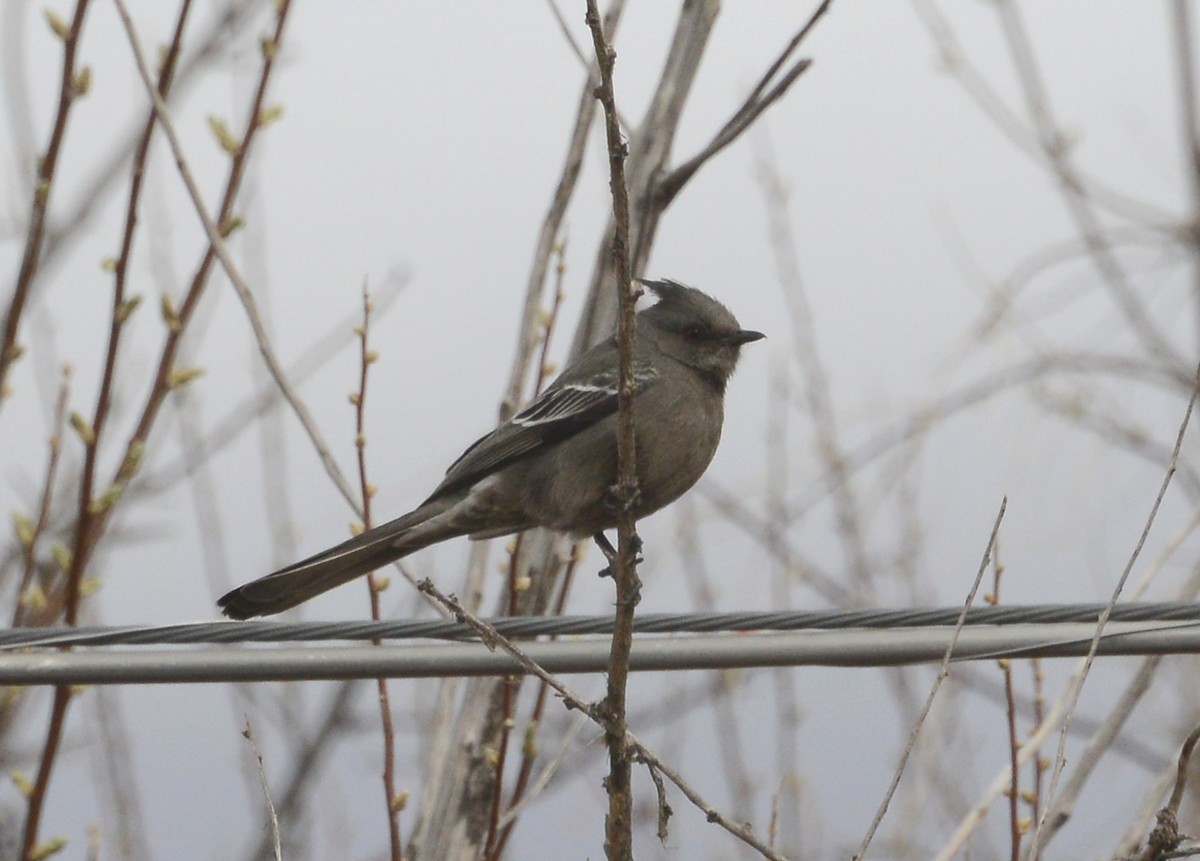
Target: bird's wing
[(563, 410)]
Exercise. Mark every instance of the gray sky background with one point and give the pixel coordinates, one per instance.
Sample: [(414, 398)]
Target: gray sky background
[(425, 139)]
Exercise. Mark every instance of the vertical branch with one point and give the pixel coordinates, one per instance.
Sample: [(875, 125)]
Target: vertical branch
[(394, 801), (618, 825), (1014, 744), (71, 85)]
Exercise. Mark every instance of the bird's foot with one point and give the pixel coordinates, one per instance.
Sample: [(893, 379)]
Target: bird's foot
[(610, 552)]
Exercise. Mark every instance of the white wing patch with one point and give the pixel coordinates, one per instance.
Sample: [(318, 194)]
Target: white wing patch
[(575, 398)]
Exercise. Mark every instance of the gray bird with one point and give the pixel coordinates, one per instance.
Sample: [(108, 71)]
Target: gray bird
[(554, 463)]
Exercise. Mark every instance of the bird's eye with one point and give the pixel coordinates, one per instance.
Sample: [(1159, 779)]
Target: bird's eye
[(693, 333)]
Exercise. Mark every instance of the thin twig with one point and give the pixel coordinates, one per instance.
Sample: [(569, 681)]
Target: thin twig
[(1040, 836), (618, 824), (943, 672), (69, 89), (759, 100), (1014, 745), (664, 809), (375, 585), (272, 818)]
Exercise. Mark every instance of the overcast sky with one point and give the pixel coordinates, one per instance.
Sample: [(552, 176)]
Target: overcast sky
[(419, 145)]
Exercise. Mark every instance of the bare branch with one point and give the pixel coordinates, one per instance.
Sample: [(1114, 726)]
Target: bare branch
[(761, 97), (272, 818), (943, 672)]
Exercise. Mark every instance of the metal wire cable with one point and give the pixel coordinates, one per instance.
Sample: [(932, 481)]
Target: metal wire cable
[(854, 647), (538, 626)]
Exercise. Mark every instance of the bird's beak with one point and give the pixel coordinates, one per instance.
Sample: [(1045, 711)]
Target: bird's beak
[(745, 336)]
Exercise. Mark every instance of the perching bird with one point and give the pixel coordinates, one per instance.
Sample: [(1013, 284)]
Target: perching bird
[(554, 463)]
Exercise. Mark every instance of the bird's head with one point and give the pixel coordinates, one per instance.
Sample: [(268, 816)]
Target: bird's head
[(696, 329)]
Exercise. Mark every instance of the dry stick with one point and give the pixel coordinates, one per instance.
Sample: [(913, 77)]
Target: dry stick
[(68, 90), (273, 819), (943, 672), (618, 824), (759, 100), (548, 246), (93, 512), (493, 639), (447, 786), (1060, 757), (367, 357), (1014, 746)]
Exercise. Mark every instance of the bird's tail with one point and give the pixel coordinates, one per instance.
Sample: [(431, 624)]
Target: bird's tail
[(308, 578)]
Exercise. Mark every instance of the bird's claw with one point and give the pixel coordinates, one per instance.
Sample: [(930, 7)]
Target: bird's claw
[(610, 552)]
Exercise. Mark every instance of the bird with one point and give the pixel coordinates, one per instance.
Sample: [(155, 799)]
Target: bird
[(554, 463)]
